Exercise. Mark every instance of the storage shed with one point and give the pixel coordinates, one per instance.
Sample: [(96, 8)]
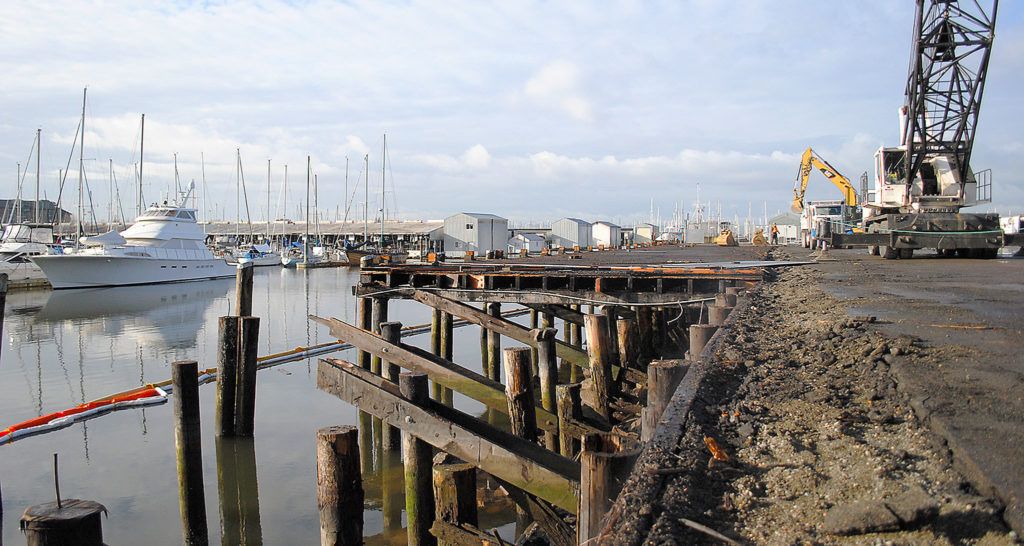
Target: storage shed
[(645, 233), (570, 232), (474, 231), (531, 242), (607, 234)]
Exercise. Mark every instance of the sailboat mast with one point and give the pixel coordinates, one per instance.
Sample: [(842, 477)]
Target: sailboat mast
[(238, 186), (142, 149), (366, 200), (383, 179), (81, 173), (305, 244), (39, 145), (268, 200)]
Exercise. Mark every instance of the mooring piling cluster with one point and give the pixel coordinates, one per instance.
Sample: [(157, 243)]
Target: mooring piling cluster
[(577, 414)]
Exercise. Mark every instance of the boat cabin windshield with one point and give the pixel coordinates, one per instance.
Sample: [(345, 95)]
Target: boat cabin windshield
[(169, 213), (24, 233)]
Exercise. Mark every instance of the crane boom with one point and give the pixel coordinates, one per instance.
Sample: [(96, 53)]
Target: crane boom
[(809, 160), (946, 81)]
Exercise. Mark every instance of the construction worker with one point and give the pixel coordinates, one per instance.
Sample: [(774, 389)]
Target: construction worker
[(775, 234)]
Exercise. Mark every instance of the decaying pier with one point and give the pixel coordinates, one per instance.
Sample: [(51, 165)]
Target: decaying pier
[(579, 414)]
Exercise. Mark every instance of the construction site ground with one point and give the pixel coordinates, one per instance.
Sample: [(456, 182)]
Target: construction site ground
[(860, 400)]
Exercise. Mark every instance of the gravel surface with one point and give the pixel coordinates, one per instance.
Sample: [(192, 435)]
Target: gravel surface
[(824, 448)]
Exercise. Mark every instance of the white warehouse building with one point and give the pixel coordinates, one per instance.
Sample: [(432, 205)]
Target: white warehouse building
[(474, 231), (530, 242), (570, 232), (607, 234)]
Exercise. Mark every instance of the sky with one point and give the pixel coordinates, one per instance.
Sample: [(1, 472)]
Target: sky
[(529, 110)]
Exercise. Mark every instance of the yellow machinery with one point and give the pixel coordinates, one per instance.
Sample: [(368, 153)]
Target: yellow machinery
[(811, 160), (759, 239), (726, 238)]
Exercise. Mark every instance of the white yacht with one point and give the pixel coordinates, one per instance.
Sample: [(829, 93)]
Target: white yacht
[(20, 242), (165, 244)]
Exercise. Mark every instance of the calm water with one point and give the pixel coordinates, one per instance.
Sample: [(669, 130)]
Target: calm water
[(63, 348)]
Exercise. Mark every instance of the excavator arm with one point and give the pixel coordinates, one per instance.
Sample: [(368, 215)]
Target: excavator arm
[(811, 160)]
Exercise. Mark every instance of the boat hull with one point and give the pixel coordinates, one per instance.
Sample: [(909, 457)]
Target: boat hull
[(266, 260), (84, 271)]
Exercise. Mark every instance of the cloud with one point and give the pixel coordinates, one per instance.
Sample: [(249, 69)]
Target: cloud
[(556, 85), (475, 158)]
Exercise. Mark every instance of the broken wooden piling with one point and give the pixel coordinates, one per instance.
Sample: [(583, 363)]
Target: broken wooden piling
[(547, 367), (419, 495), (455, 507), (243, 289), (339, 486), (188, 445), (599, 350), (227, 375)]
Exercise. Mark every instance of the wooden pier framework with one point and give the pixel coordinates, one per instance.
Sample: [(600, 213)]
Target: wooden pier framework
[(576, 413)]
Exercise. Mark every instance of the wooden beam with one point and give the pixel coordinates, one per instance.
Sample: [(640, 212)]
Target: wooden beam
[(512, 330), (550, 296), (521, 463), (478, 387)]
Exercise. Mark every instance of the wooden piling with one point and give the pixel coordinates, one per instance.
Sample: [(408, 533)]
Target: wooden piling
[(612, 314), (484, 347), (363, 320), (227, 375), (243, 289), (379, 315), (534, 324), (419, 495), (447, 347), (519, 391), (717, 315), (3, 305), (699, 336), (75, 521), (725, 299), (494, 345), (645, 331), (454, 497), (435, 348), (663, 376), (576, 340), (594, 484), (392, 332), (339, 486), (548, 372), (599, 349), (569, 407), (245, 391), (629, 343), (188, 445)]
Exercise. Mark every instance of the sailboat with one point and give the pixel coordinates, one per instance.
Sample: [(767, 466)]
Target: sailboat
[(387, 255), (260, 255), (353, 254)]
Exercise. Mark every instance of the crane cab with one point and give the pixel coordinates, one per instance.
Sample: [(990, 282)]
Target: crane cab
[(937, 187)]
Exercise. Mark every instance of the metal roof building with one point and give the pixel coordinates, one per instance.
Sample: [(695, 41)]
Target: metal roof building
[(570, 232), (607, 234), (474, 231)]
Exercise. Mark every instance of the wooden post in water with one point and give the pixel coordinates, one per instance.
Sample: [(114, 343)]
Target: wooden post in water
[(380, 315), (658, 334), (594, 477), (447, 347), (3, 305), (363, 316), (519, 391), (663, 377), (435, 348), (547, 320), (243, 289), (392, 332), (534, 322), (613, 338), (484, 358), (494, 345), (419, 495), (454, 496), (548, 372), (629, 343), (227, 375), (188, 444), (339, 486), (645, 332), (245, 396), (599, 349), (521, 406), (76, 522), (576, 340), (569, 407)]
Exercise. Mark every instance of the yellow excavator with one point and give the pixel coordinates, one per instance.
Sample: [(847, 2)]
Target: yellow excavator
[(810, 160)]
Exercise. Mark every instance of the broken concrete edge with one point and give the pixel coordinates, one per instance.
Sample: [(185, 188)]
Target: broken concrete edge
[(963, 462), (635, 510)]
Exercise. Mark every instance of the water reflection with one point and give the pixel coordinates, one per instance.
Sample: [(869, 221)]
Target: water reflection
[(238, 492), (166, 315)]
